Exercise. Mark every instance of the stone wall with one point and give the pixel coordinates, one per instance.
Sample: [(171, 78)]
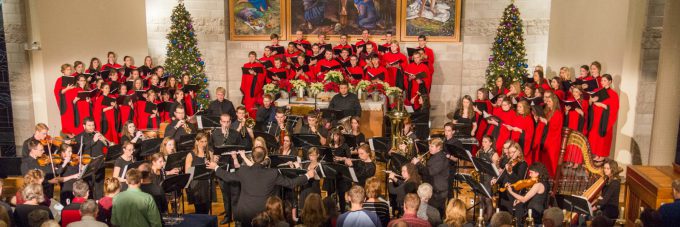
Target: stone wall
[(14, 17), (646, 97)]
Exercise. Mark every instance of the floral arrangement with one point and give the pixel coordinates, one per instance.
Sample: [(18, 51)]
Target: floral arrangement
[(270, 88), (285, 85), (297, 84), (331, 86), (392, 90), (376, 87), (316, 87), (333, 76), (363, 84)]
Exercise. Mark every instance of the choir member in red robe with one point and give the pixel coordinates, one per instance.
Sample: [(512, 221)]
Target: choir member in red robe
[(111, 62), (147, 68), (301, 70), (418, 66), (343, 59), (275, 43), (321, 40), (551, 138), (354, 72), (106, 114), (78, 68), (522, 128), (595, 72), (499, 88), (291, 53), (556, 86), (82, 107), (601, 119), (343, 44), (585, 81), (422, 44), (496, 125), (528, 91), (366, 40), (277, 73), (540, 81), (366, 56), (95, 66), (575, 119), (375, 70), (63, 94), (482, 105), (327, 64), (147, 112), (171, 83), (389, 39), (251, 84), (414, 82), (395, 62), (137, 85), (125, 107), (267, 58)]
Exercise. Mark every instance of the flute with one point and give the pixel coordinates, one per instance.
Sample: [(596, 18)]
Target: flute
[(236, 152), (395, 174)]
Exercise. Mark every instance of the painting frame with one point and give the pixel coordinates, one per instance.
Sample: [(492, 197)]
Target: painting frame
[(456, 37), (264, 37), (311, 37)]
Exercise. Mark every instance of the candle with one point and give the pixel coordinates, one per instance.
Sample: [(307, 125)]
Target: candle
[(481, 211), (621, 214), (529, 213)]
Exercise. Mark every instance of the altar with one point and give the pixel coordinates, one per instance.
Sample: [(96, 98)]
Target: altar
[(372, 114)]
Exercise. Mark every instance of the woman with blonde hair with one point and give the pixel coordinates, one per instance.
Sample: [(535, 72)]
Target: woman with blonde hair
[(33, 196), (372, 203), (455, 214), (111, 189), (34, 176)]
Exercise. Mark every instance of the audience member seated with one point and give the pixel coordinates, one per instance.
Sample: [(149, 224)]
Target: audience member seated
[(670, 213), (152, 189), (275, 211), (111, 189), (32, 196), (357, 216), (71, 212), (88, 212), (651, 217), (314, 213), (425, 211), (553, 217), (411, 205), (134, 207), (501, 219), (6, 207), (381, 208)]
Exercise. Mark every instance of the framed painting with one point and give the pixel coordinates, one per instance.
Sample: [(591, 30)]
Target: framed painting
[(336, 17), (256, 19), (438, 19)]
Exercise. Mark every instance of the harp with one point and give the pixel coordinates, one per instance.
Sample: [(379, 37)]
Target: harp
[(587, 179)]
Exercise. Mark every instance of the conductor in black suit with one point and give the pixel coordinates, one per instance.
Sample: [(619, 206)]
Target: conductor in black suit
[(257, 184), (176, 128)]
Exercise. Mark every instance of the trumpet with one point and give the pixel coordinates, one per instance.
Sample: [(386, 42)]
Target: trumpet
[(185, 125), (102, 137), (248, 123)]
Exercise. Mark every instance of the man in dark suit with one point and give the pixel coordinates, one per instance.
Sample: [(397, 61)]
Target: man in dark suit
[(223, 136), (221, 105), (258, 183), (176, 128), (92, 143), (345, 101), (670, 213), (436, 173)]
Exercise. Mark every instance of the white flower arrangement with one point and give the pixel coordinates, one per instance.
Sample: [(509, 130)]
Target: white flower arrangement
[(270, 88), (316, 87), (362, 85), (297, 84), (392, 90), (333, 76)]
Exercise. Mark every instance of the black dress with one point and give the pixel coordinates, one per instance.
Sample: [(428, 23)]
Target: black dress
[(199, 190), (467, 129), (610, 199)]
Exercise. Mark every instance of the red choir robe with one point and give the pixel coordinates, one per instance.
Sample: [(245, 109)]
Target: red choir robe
[(82, 108), (270, 73), (106, 122), (395, 76), (126, 113), (500, 91), (309, 76), (289, 56), (344, 62), (355, 70), (483, 106), (346, 46), (189, 107), (576, 122), (251, 88), (388, 45), (551, 140), (601, 124), (544, 84), (146, 121), (277, 55), (369, 42), (560, 94), (326, 63), (526, 124), (430, 60), (421, 67), (414, 86), (65, 107), (500, 133), (373, 72), (111, 66)]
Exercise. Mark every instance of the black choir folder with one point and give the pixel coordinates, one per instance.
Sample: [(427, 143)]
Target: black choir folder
[(246, 70), (150, 107), (419, 75), (601, 94), (278, 49), (574, 104), (190, 87), (107, 101), (87, 94), (68, 80), (382, 48), (412, 51), (592, 84)]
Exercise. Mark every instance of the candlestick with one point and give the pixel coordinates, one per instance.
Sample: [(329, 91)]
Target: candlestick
[(529, 213)]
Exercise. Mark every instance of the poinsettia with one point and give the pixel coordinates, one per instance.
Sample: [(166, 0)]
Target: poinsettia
[(270, 88), (375, 87), (363, 84), (331, 86), (392, 90), (285, 85)]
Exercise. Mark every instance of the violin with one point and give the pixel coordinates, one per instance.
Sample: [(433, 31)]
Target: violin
[(521, 184), (75, 159), (44, 159), (56, 141)]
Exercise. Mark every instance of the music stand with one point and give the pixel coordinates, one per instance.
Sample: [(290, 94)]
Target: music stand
[(175, 184), (332, 114), (91, 170), (324, 171), (277, 160), (306, 141), (351, 140), (130, 166), (421, 147), (344, 171), (291, 172), (381, 147), (186, 142), (326, 154), (268, 138), (485, 167), (208, 122), (10, 166), (397, 161), (477, 189), (201, 172), (114, 152), (149, 147), (176, 160), (458, 152), (574, 203)]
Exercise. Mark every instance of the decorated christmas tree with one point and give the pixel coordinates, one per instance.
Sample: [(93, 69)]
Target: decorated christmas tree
[(508, 54), (183, 56)]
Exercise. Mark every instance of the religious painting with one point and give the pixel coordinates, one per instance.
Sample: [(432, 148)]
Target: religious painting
[(336, 17), (256, 19), (438, 19)]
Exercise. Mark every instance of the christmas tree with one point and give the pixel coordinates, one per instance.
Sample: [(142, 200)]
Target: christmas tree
[(183, 56), (508, 55)]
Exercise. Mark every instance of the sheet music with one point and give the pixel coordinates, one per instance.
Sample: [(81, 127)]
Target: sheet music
[(409, 109), (122, 173), (353, 175), (199, 121), (323, 174), (191, 176), (370, 143)]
